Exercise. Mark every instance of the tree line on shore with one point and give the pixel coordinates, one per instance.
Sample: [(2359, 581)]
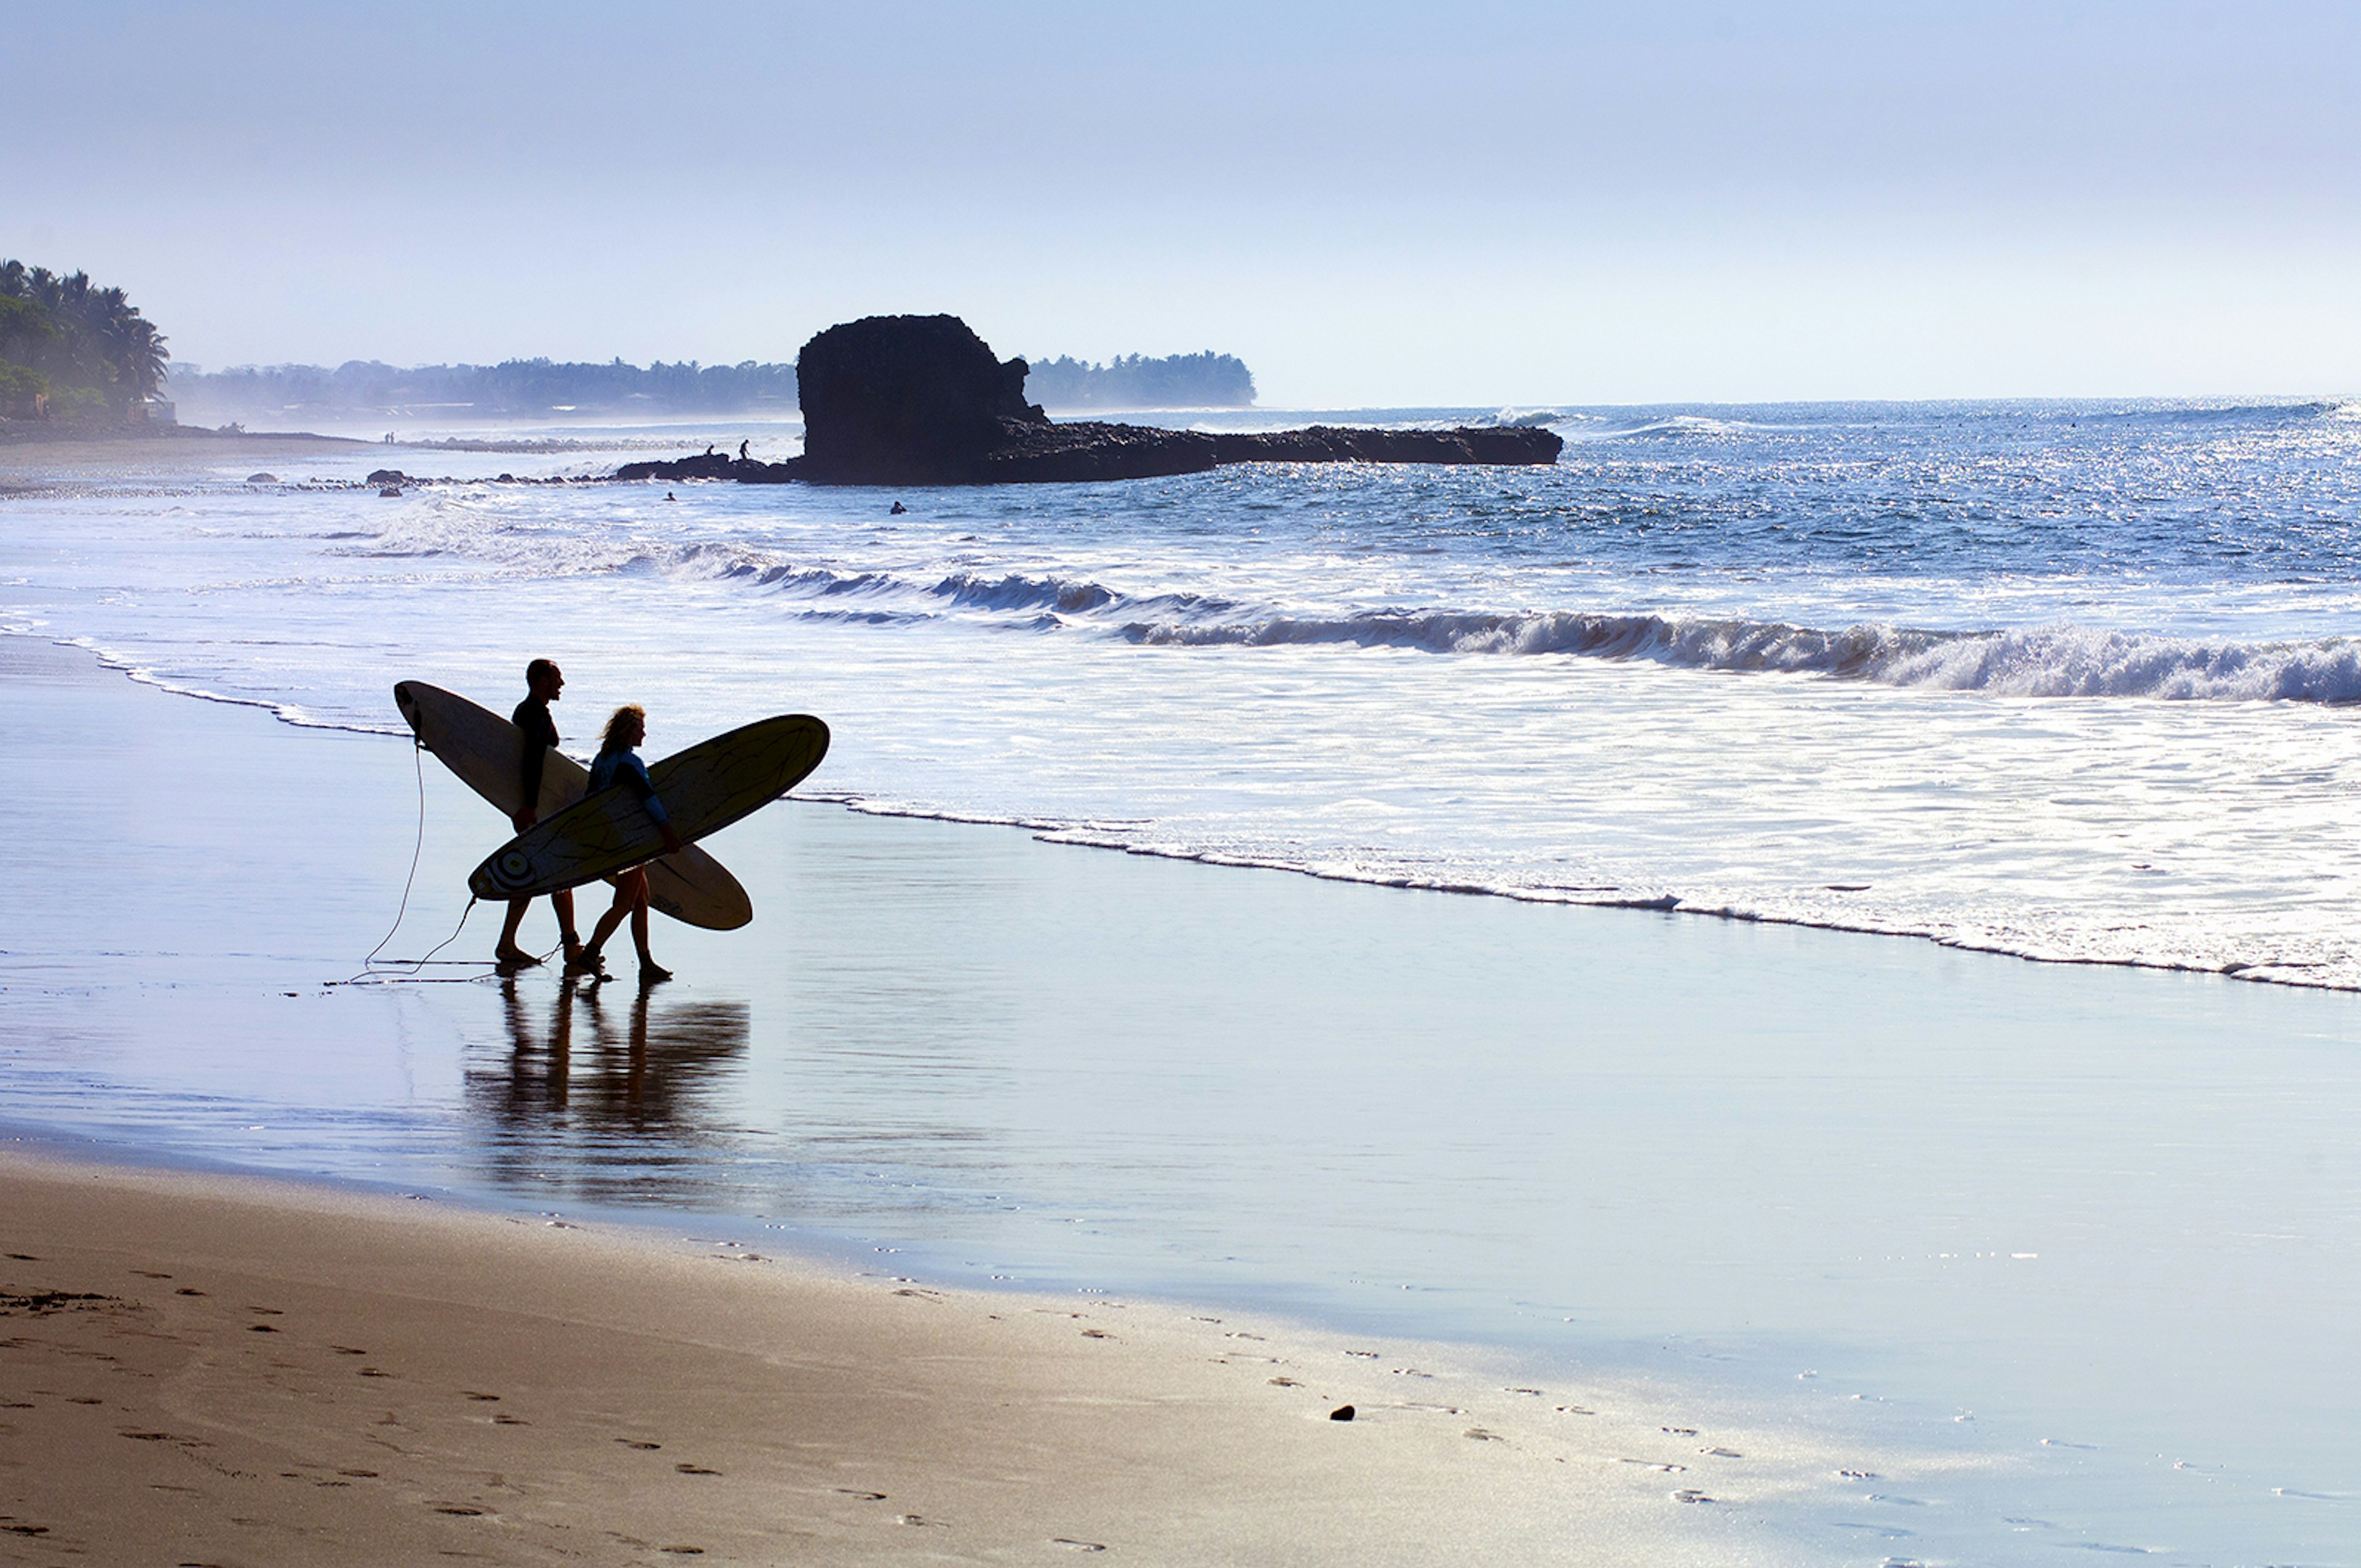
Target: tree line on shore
[(73, 349), (515, 389), (543, 389), (1206, 380), (70, 348)]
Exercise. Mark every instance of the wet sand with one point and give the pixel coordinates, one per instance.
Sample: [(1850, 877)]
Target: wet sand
[(230, 1371)]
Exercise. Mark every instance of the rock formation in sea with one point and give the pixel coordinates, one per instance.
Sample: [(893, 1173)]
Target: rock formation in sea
[(922, 401)]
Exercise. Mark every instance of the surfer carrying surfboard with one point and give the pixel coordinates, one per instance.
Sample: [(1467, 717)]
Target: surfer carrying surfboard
[(544, 684), (618, 764)]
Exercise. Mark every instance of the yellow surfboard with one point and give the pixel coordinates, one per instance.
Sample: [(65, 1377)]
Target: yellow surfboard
[(486, 753), (704, 790)]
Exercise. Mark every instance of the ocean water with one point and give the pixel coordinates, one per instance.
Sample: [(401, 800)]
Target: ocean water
[(2059, 681), (2064, 681)]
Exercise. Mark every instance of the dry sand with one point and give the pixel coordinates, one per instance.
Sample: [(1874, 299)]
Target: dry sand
[(204, 1370)]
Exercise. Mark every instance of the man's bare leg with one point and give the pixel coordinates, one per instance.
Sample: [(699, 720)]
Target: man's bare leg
[(561, 901), (507, 954), (510, 956)]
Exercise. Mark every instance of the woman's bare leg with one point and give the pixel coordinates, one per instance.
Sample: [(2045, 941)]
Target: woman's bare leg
[(589, 960)]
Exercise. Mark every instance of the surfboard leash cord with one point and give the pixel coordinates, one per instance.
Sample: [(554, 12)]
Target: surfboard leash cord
[(407, 969)]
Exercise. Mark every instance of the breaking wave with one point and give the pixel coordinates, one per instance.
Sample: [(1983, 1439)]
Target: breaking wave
[(2052, 662), (2062, 661)]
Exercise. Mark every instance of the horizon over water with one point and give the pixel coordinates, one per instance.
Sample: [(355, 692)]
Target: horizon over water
[(2057, 680)]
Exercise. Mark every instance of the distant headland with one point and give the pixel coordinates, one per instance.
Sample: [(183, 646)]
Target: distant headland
[(924, 400)]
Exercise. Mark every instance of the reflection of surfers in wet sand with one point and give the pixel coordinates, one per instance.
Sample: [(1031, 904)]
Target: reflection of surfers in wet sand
[(543, 683), (648, 1071), (617, 763)]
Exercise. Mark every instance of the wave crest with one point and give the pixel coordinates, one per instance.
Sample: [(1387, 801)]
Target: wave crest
[(2051, 661)]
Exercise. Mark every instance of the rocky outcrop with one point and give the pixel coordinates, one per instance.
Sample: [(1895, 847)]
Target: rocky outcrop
[(921, 400), (909, 400), (715, 466)]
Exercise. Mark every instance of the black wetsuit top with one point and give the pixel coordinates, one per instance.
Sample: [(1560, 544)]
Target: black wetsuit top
[(531, 716)]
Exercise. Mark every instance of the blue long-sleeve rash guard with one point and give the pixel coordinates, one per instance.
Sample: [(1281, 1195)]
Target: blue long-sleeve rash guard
[(611, 768)]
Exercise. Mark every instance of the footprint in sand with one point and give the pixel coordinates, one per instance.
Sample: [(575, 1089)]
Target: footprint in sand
[(494, 1398), (864, 1497), (634, 1442), (694, 1470), (1070, 1544), (187, 1290)]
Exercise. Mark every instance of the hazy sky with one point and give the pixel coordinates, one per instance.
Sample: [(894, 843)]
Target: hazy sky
[(1370, 204)]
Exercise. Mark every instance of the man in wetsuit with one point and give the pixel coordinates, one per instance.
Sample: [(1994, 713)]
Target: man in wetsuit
[(543, 683)]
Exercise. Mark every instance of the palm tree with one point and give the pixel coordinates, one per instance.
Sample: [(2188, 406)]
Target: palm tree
[(96, 337)]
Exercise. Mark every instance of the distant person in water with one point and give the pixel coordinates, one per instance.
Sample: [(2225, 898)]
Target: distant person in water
[(543, 682), (617, 763)]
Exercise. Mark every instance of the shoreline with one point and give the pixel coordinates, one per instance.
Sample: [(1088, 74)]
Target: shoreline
[(1079, 835)]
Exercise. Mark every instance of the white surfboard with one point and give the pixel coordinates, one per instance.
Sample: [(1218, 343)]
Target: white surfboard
[(486, 752), (704, 790)]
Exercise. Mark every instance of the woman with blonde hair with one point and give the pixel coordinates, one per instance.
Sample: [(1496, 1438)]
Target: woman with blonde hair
[(618, 764)]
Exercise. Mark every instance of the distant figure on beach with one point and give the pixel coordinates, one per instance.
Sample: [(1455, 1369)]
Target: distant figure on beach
[(543, 681), (741, 450), (618, 764)]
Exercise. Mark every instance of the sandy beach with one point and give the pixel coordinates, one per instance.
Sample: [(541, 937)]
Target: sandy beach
[(232, 1371)]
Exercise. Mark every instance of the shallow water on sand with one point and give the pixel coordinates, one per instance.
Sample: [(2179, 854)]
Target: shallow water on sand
[(2071, 1255)]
